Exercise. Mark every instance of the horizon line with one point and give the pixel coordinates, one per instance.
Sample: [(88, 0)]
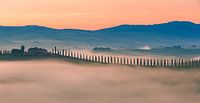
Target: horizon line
[(69, 28)]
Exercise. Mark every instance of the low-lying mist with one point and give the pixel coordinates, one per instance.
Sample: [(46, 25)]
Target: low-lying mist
[(61, 82)]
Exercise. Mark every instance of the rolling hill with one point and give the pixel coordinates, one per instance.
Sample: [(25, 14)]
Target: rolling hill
[(122, 36)]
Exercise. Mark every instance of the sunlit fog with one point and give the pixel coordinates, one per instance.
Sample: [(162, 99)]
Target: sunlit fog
[(62, 82)]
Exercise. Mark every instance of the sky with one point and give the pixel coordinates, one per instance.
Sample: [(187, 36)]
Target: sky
[(96, 14)]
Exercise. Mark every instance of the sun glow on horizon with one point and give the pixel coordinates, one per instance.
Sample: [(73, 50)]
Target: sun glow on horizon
[(96, 14)]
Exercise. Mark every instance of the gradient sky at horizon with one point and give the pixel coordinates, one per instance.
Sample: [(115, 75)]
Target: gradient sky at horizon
[(96, 14)]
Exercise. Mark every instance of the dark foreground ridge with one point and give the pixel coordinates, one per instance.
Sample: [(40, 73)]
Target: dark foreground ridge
[(83, 57)]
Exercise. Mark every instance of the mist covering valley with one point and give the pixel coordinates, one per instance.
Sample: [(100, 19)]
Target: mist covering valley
[(53, 81), (44, 60)]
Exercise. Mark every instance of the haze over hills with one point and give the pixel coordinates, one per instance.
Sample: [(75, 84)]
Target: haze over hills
[(126, 36)]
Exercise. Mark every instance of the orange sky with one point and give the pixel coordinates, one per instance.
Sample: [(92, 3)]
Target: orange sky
[(95, 14)]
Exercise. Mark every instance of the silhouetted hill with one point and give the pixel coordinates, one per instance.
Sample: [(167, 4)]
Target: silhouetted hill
[(171, 27), (176, 32)]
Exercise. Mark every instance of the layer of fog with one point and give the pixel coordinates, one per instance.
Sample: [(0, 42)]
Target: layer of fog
[(61, 82)]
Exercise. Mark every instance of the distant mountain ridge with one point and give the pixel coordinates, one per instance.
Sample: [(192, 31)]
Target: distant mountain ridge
[(177, 23), (165, 26), (175, 32)]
